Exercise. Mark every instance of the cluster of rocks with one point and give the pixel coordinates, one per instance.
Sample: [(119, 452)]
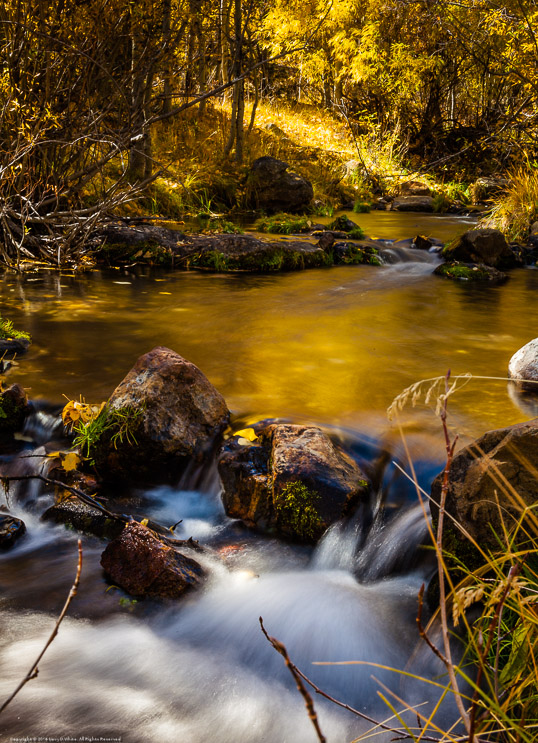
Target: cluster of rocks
[(286, 480)]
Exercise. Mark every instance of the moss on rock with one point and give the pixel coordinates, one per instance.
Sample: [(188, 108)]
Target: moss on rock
[(469, 272)]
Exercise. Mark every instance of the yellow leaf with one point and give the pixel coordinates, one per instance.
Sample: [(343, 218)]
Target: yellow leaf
[(144, 522), (70, 461), (54, 454), (247, 433)]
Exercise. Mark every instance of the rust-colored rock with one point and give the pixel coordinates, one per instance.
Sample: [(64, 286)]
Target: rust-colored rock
[(293, 482), (178, 417), (140, 563)]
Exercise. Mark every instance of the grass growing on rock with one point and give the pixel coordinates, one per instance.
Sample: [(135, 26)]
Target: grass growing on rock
[(8, 332), (283, 224), (116, 425)]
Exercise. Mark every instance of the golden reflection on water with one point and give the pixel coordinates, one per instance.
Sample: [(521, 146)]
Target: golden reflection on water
[(329, 345)]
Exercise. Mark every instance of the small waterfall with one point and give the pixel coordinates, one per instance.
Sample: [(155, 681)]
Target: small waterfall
[(43, 424), (395, 254), (396, 547)]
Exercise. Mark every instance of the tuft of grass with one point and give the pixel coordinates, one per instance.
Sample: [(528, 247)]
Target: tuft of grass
[(362, 207), (514, 211), (8, 332), (117, 425)]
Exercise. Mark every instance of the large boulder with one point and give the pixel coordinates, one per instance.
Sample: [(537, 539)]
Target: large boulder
[(164, 414), (271, 187), (490, 483), (143, 565), (523, 367), (485, 246), (292, 481)]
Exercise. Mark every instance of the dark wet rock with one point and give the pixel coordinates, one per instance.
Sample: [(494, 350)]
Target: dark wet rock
[(293, 481), (143, 565), (11, 529), (326, 240), (356, 253), (343, 224), (174, 415), (271, 187), (523, 367), (412, 204), (486, 246), (82, 517), (422, 243), (119, 243), (247, 253), (13, 409), (414, 188), (13, 346), (492, 478), (469, 272)]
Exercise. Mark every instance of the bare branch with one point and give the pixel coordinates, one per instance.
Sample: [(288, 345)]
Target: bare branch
[(34, 670)]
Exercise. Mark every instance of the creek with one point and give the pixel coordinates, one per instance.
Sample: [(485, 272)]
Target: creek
[(328, 346)]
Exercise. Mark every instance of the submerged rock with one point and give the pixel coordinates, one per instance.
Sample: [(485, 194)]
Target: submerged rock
[(271, 187), (523, 367), (143, 565), (469, 272), (483, 246), (248, 253), (13, 409), (293, 482), (11, 529), (14, 346), (491, 482), (164, 414)]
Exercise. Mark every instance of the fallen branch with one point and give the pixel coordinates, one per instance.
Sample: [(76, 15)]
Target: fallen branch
[(34, 670), (280, 648)]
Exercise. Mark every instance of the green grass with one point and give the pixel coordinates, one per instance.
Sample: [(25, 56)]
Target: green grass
[(116, 425), (283, 224), (8, 332), (296, 511)]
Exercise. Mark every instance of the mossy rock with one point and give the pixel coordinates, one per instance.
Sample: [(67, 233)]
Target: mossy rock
[(148, 253), (469, 272), (344, 224)]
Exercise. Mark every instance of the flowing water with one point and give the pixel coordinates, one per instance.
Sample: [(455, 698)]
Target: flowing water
[(329, 346)]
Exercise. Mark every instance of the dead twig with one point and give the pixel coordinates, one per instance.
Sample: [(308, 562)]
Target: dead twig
[(34, 670), (280, 648)]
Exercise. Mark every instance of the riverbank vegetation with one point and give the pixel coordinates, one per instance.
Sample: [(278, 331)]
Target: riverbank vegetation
[(166, 104)]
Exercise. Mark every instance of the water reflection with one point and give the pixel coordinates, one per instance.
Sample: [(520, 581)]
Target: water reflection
[(330, 345)]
